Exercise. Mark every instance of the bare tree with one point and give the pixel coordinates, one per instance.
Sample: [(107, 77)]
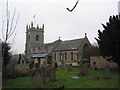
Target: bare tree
[(8, 31), (8, 28)]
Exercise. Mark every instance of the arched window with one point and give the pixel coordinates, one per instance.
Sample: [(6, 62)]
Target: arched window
[(37, 37), (65, 56), (71, 55), (60, 56), (85, 51)]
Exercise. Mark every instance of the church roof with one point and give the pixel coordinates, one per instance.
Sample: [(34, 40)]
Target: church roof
[(69, 45), (40, 55)]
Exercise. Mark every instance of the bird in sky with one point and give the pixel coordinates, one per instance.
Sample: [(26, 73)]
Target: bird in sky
[(73, 7)]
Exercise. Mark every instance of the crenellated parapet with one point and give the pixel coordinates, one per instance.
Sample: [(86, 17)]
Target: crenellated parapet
[(32, 27)]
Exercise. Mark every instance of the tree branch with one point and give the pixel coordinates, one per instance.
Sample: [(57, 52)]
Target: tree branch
[(14, 27), (12, 22)]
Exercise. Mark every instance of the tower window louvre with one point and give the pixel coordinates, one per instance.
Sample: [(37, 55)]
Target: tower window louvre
[(37, 37)]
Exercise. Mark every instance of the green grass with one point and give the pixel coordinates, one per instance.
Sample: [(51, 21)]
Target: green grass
[(64, 78)]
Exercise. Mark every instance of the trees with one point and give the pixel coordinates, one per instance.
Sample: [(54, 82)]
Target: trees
[(6, 54), (93, 50), (8, 30), (9, 26), (109, 39)]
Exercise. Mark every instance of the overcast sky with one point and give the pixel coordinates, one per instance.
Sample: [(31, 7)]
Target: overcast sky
[(59, 22)]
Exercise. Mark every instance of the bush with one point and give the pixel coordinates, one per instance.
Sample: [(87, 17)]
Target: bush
[(13, 71)]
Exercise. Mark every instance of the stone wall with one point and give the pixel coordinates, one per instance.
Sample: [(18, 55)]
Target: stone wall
[(101, 62), (66, 63)]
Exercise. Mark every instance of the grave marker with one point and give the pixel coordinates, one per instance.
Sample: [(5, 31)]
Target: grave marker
[(37, 79), (70, 67), (52, 77), (107, 72)]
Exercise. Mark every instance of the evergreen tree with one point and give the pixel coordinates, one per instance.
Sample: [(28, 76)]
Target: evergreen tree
[(6, 54), (109, 39)]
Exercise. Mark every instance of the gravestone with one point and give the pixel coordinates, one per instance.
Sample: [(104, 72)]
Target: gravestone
[(31, 65), (107, 72), (62, 64), (37, 78), (43, 73), (48, 70), (0, 64), (52, 76), (80, 64), (70, 67), (82, 71), (44, 65), (85, 68)]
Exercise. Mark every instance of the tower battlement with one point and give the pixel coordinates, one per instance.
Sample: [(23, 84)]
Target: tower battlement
[(32, 27)]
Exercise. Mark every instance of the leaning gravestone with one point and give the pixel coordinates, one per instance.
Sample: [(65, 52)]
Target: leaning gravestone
[(0, 64), (37, 78), (52, 76), (107, 72), (70, 67)]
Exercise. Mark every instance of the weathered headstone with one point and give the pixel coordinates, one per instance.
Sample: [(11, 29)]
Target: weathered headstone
[(82, 69), (31, 65), (37, 79), (62, 64), (52, 76), (80, 64), (70, 67), (86, 68), (44, 65), (48, 70), (43, 73), (107, 72), (0, 64)]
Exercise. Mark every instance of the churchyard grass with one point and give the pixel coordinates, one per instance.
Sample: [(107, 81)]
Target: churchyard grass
[(64, 78)]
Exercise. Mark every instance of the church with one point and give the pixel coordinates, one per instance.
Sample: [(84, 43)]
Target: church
[(68, 51)]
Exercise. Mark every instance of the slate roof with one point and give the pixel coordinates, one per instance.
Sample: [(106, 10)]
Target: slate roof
[(69, 45), (39, 55)]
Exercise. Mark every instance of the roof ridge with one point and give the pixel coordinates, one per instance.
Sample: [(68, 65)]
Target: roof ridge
[(74, 39)]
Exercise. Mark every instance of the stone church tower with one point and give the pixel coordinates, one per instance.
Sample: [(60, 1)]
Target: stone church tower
[(34, 39)]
